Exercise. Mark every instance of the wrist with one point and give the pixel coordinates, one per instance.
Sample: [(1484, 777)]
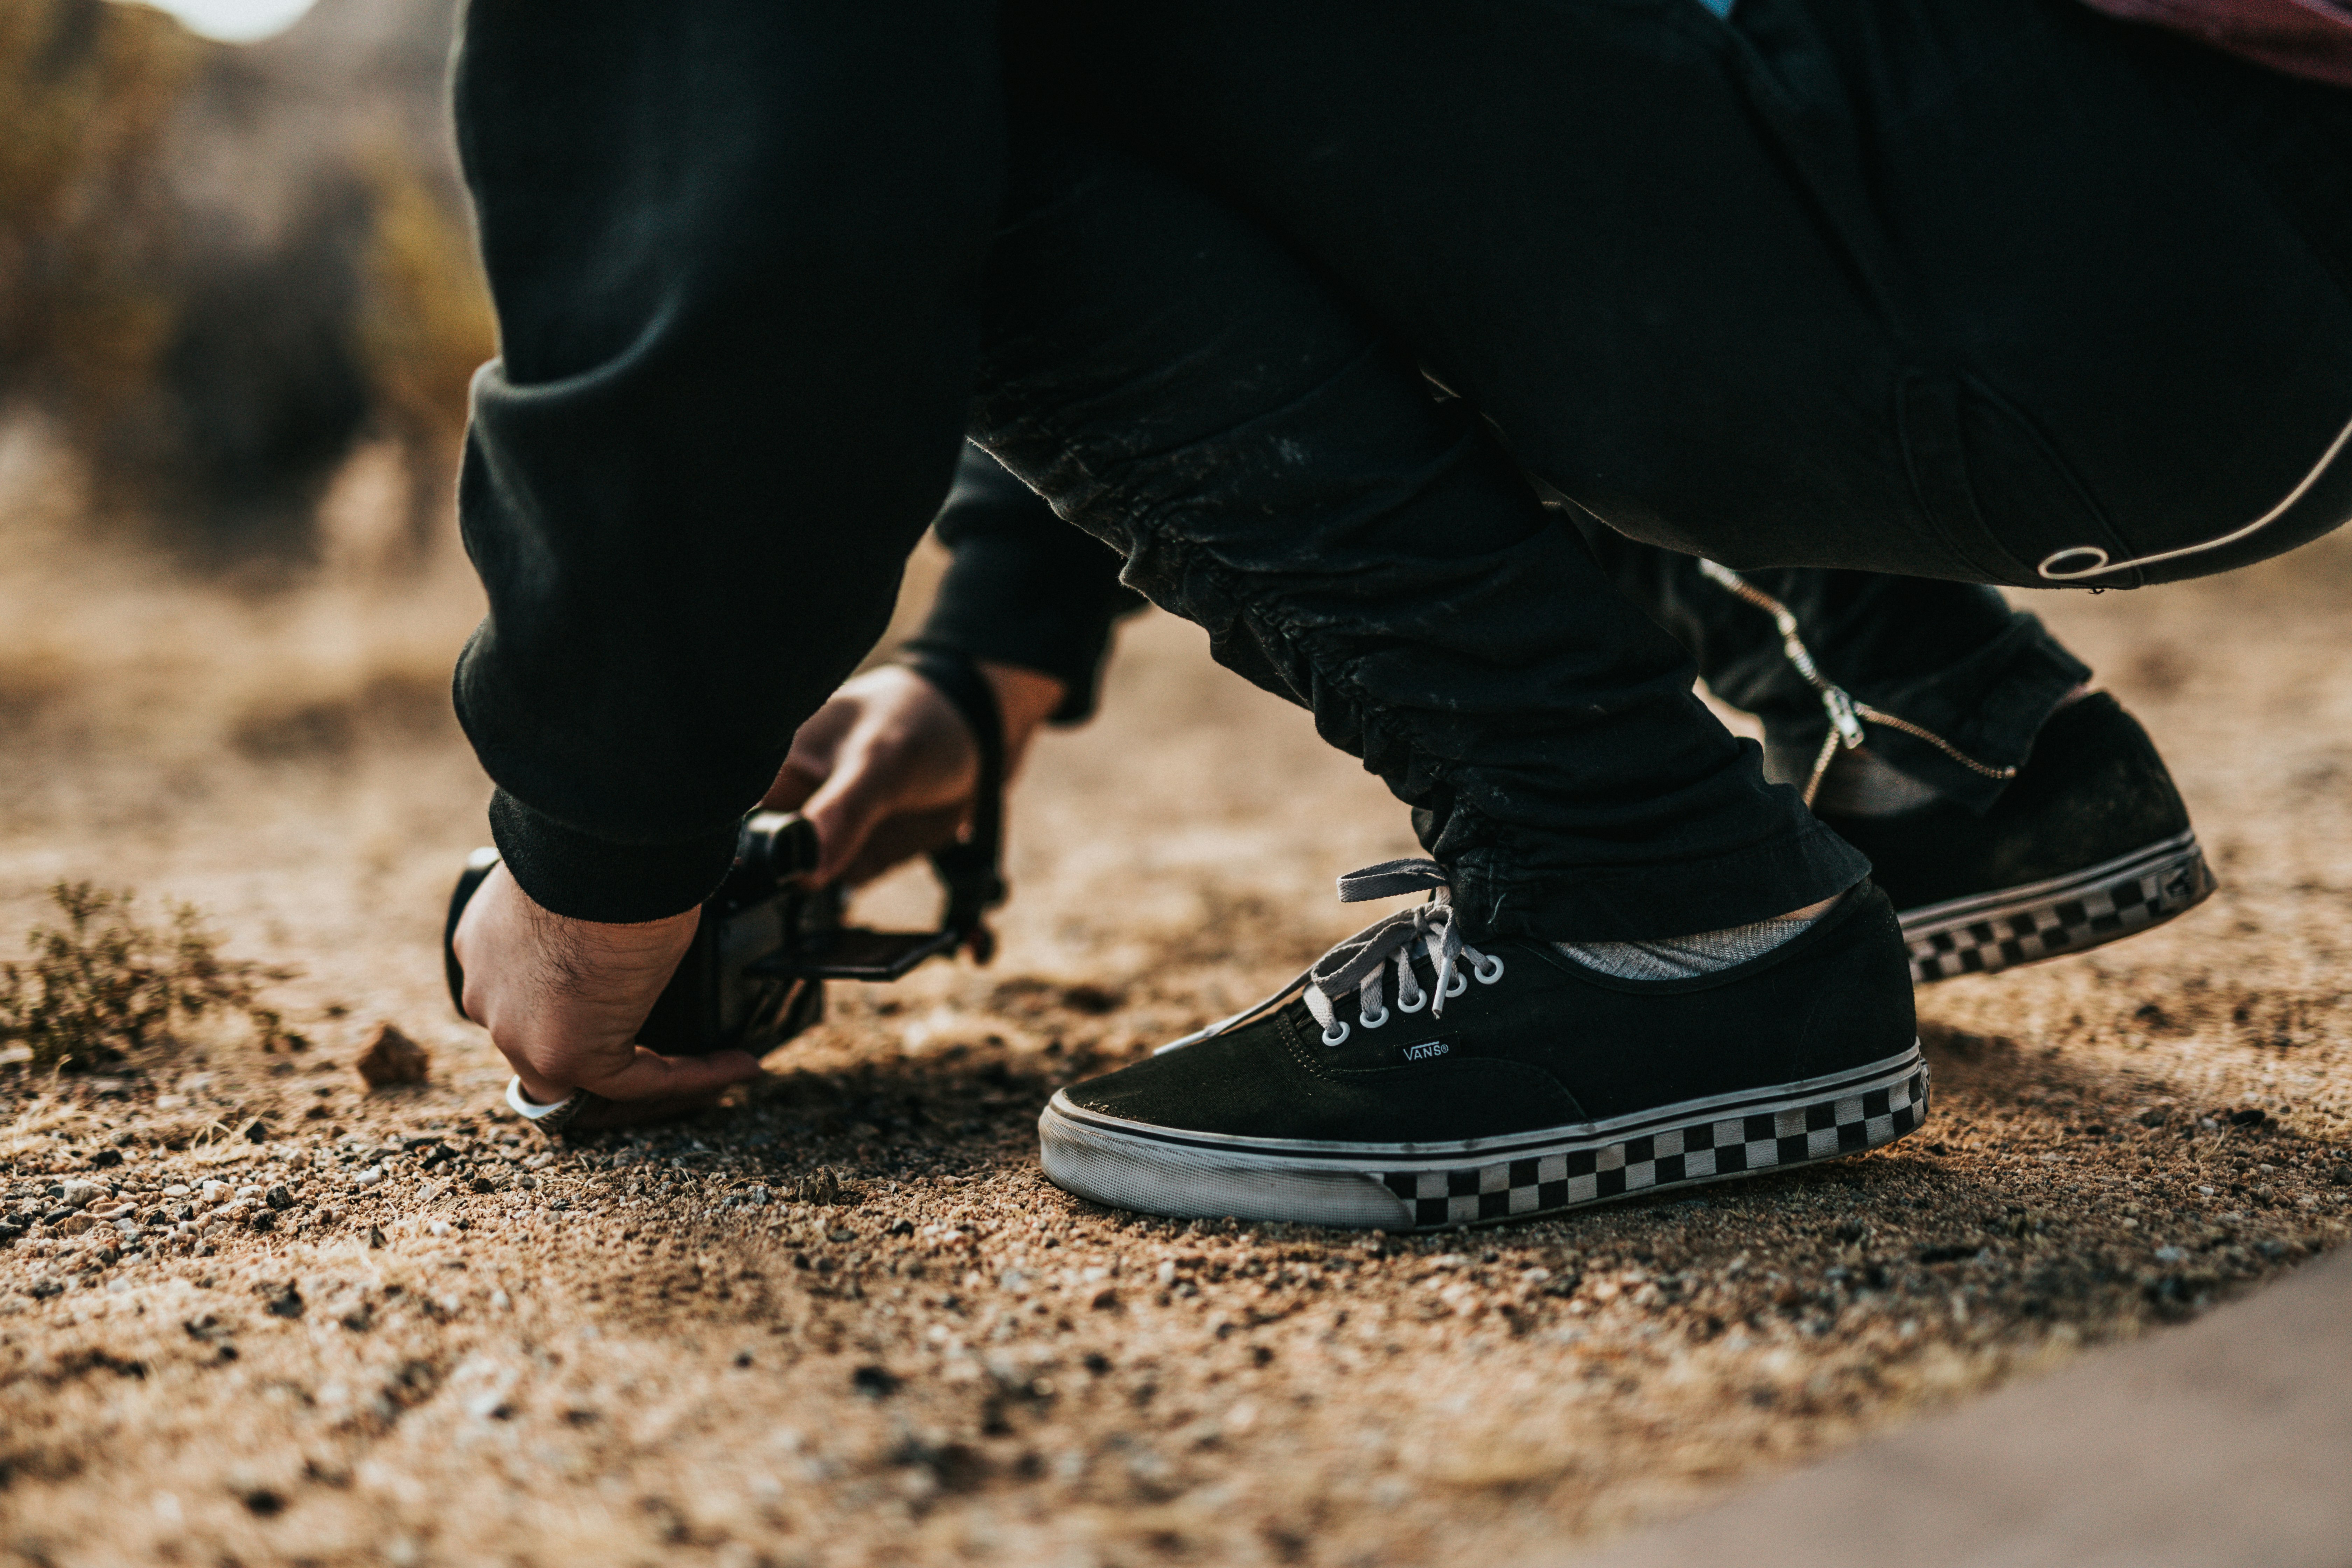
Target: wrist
[(1025, 700), (580, 876)]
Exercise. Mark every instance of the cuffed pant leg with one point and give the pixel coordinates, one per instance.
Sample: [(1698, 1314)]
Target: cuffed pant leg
[(1951, 657), (1182, 387)]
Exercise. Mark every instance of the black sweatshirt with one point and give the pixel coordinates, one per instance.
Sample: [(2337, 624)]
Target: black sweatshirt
[(735, 257)]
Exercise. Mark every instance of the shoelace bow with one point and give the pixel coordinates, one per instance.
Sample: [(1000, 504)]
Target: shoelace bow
[(1362, 961)]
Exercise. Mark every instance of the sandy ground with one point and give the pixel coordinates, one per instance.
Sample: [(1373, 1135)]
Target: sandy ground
[(457, 1348)]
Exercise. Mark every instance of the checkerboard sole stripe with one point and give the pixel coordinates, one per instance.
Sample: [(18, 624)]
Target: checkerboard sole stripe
[(1986, 934), (1706, 1151)]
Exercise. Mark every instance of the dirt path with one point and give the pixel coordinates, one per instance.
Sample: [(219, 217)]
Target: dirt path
[(652, 1349)]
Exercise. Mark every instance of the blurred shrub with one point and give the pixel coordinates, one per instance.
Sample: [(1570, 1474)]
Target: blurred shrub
[(219, 268), (426, 325), (103, 985), (86, 221)]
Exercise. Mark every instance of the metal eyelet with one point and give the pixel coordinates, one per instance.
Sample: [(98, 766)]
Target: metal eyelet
[(1337, 1034), (1419, 1000), (1456, 983), (1489, 971), (1373, 1020)]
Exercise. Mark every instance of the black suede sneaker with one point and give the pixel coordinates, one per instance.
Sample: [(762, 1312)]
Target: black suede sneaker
[(2090, 842), (1409, 1081)]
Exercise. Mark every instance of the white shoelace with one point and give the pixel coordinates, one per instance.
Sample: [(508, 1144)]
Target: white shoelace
[(1361, 961)]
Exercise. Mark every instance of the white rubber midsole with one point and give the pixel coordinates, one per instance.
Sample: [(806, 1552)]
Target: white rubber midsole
[(1405, 1186), (1986, 932)]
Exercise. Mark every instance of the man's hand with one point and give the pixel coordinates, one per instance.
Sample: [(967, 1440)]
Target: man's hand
[(563, 999), (886, 771)]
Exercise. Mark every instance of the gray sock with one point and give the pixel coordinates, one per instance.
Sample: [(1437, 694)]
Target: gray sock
[(1684, 957)]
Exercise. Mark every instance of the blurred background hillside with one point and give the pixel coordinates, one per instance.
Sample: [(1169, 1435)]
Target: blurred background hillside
[(227, 269)]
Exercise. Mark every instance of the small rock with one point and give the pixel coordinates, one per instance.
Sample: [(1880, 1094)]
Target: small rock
[(368, 1177), (282, 1300), (106, 1158), (393, 1058), (278, 1197), (78, 1194), (874, 1382), (255, 1132), (375, 1238), (2248, 1118), (822, 1186), (483, 1184)]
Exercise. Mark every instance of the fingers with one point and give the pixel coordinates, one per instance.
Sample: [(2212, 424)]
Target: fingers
[(845, 812), (563, 998), (794, 784), (661, 1106), (900, 838), (645, 1076), (909, 753)]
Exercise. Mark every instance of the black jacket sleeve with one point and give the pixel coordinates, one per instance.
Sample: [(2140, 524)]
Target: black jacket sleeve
[(1023, 587), (734, 247)]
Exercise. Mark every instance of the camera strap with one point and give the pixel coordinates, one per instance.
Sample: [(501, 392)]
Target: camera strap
[(972, 869)]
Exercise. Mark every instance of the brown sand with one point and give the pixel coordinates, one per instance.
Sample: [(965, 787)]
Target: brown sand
[(455, 1347)]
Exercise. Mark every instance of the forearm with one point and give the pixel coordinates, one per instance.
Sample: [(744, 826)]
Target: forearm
[(1024, 590), (732, 248)]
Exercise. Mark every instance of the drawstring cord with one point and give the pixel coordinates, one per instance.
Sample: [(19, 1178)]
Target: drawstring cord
[(1845, 714)]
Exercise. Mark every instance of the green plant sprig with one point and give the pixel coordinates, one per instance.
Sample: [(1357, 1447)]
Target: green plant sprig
[(102, 984)]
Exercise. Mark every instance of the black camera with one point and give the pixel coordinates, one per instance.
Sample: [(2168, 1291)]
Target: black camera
[(767, 942)]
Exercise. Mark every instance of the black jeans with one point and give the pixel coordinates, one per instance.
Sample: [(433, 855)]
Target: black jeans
[(1952, 291), (1024, 588), (1942, 288), (1272, 468), (1951, 657)]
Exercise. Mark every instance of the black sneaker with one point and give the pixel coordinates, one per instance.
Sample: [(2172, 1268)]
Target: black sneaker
[(1356, 1096), (2090, 842)]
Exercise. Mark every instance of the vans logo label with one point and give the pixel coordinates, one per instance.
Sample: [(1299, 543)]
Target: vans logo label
[(1424, 1051)]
